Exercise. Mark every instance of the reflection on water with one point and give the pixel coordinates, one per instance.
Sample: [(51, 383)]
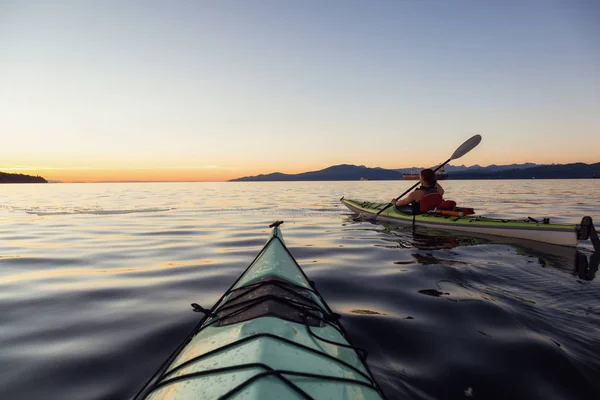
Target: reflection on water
[(585, 269), (96, 282), (581, 264), (366, 312)]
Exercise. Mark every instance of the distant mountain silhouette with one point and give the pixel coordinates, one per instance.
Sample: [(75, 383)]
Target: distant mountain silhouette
[(348, 172), (343, 172), (554, 171), (473, 168), (20, 178)]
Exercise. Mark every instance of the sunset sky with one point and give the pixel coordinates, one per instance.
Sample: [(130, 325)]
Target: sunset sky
[(213, 90)]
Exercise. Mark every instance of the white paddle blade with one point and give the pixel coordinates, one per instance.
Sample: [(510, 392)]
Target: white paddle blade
[(466, 147)]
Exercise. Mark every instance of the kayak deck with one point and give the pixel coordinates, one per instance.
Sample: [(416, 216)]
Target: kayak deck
[(271, 336), (560, 234)]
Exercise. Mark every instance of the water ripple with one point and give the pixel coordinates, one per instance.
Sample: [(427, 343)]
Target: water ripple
[(96, 283)]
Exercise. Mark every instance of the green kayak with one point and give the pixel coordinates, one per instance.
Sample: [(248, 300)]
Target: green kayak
[(530, 229), (270, 336)]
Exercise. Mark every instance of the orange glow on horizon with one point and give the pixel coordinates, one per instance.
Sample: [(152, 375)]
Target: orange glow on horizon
[(128, 175), (219, 174)]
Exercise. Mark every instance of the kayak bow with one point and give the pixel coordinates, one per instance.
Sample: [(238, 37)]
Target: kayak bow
[(270, 336)]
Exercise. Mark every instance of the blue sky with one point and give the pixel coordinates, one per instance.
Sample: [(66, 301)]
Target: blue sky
[(218, 89)]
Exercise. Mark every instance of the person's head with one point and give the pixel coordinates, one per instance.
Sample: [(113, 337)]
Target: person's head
[(428, 177)]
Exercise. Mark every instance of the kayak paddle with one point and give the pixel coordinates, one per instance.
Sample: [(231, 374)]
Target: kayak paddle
[(458, 153)]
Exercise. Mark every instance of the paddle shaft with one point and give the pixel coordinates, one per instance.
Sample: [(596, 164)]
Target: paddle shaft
[(413, 186)]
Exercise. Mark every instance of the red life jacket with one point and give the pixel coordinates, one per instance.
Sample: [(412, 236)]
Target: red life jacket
[(431, 199)]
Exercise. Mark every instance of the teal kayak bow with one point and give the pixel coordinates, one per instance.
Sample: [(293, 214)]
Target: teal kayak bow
[(270, 336)]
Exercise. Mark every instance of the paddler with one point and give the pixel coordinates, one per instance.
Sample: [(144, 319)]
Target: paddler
[(425, 198)]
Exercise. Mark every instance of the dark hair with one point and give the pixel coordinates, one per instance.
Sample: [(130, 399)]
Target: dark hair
[(428, 176)]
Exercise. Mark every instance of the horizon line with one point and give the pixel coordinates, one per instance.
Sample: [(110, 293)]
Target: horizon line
[(249, 175)]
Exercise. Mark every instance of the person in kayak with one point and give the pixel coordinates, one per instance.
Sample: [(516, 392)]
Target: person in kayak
[(425, 198)]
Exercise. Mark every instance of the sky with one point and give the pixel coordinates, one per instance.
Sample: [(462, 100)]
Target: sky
[(214, 90)]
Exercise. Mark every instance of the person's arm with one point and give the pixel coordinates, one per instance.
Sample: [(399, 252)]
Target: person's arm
[(405, 201), (440, 189)]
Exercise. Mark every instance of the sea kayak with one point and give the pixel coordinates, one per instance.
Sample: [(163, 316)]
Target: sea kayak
[(270, 336), (531, 229)]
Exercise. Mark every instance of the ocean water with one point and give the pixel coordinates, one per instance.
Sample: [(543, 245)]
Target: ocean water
[(96, 282)]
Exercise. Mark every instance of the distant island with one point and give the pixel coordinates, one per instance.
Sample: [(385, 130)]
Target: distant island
[(20, 178), (349, 172)]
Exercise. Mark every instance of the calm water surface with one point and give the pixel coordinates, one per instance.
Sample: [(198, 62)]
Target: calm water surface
[(96, 282)]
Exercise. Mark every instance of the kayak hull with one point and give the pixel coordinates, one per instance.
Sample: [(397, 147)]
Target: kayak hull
[(249, 347), (559, 234)]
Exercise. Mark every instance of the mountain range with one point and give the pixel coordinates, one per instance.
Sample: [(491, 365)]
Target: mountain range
[(472, 168), (349, 172)]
